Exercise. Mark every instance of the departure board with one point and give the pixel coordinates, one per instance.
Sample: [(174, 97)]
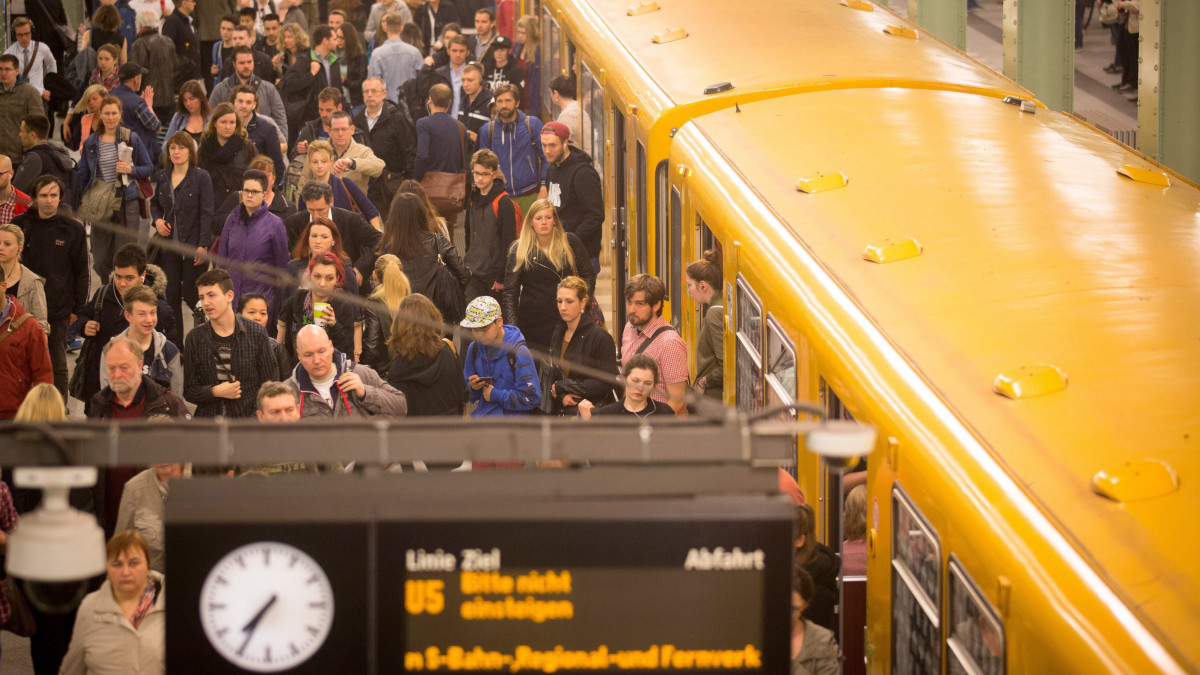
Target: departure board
[(585, 597)]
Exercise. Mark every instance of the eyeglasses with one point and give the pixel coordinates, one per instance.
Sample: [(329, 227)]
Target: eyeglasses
[(483, 174), (25, 34), (253, 192)]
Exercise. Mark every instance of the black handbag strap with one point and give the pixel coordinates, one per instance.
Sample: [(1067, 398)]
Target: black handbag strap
[(660, 331)]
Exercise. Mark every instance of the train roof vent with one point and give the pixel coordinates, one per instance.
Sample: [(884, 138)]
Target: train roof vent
[(893, 251), (901, 31), (642, 8), (1135, 480), (718, 88), (669, 35), (1147, 176), (859, 4), (821, 182), (1030, 381)]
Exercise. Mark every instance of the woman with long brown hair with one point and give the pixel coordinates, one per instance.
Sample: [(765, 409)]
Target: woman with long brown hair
[(105, 30), (543, 256), (319, 236), (353, 62), (423, 255), (225, 152), (424, 366), (704, 286), (191, 111)]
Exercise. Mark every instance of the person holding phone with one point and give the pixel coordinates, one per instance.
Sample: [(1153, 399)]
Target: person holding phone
[(499, 367)]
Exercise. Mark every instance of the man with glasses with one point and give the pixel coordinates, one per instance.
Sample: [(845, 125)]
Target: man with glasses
[(351, 159), (33, 57), (16, 101), (390, 134)]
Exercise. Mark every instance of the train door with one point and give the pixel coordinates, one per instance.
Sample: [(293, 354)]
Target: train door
[(619, 244)]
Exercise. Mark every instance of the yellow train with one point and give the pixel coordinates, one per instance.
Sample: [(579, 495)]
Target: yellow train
[(958, 240)]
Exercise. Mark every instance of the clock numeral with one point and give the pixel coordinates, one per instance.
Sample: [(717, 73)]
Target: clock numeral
[(313, 579), (223, 581), (292, 645), (318, 605), (267, 559), (295, 559), (268, 654), (241, 563), (213, 606), (221, 632), (312, 630)]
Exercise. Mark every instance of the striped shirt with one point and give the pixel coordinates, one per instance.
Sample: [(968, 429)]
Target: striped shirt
[(107, 164)]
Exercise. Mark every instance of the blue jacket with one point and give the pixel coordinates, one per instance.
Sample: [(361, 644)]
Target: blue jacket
[(519, 147), (188, 208), (89, 158), (517, 390), (439, 146), (136, 116)]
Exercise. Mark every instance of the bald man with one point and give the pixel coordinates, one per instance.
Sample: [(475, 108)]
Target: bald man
[(331, 385), (13, 202)]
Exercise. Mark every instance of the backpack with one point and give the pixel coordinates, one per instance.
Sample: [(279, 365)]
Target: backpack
[(520, 215), (512, 356)]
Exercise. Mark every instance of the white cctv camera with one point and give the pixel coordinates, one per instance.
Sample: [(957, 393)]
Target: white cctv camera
[(56, 549), (841, 442)]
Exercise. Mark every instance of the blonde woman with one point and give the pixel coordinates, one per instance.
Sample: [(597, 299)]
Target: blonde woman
[(391, 287), (346, 193), (43, 403), (78, 124), (543, 256), (22, 282), (292, 40)]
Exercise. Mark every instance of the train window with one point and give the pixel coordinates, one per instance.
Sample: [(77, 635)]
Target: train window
[(643, 239), (749, 344), (660, 223), (593, 119), (675, 282), (916, 589), (781, 365), (551, 58), (976, 642)]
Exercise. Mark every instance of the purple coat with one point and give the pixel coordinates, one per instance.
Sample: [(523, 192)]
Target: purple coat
[(263, 241)]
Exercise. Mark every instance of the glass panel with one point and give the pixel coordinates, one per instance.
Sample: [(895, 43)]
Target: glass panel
[(781, 361), (643, 253), (551, 59), (660, 221), (676, 282), (749, 316), (976, 642), (593, 110), (916, 589), (749, 378)]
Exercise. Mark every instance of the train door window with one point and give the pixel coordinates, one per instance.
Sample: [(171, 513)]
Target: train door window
[(593, 118), (916, 589), (643, 227), (781, 366), (621, 218), (975, 645), (749, 343), (551, 58), (704, 242), (660, 221), (676, 281)]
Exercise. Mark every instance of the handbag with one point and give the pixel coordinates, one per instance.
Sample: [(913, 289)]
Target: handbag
[(448, 191), (447, 294), (86, 353), (145, 192), (1108, 13), (99, 203), (20, 621), (353, 202)]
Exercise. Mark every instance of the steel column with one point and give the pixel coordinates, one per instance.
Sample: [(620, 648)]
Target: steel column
[(946, 19), (1168, 90), (1039, 49)]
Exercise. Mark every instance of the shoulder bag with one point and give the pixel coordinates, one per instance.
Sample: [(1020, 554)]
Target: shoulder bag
[(448, 191), (446, 292)]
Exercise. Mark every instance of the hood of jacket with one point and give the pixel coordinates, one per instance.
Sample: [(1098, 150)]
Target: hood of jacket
[(577, 159), (304, 382), (155, 279), (58, 152), (512, 336)]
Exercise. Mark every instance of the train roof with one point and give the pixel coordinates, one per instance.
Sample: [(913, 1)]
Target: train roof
[(1035, 251), (773, 46)]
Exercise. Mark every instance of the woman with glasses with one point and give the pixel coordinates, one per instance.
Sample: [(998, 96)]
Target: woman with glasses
[(253, 239), (641, 376)]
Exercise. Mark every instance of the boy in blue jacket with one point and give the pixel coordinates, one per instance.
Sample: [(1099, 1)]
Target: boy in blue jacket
[(499, 368)]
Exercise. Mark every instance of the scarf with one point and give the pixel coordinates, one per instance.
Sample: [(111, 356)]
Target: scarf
[(213, 153), (147, 601)]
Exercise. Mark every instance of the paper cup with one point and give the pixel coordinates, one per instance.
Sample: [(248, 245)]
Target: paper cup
[(320, 312)]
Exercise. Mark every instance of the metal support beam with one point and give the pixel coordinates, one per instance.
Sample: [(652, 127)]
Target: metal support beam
[(1168, 90), (946, 19), (1039, 49)]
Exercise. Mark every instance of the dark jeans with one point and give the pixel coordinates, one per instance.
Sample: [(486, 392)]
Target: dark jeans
[(1080, 6), (181, 280), (1128, 47), (57, 343), (477, 287), (110, 236)]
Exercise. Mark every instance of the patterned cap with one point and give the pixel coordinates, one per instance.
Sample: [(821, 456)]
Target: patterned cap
[(482, 312)]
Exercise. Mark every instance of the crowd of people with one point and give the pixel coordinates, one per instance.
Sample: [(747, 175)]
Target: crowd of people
[(269, 192)]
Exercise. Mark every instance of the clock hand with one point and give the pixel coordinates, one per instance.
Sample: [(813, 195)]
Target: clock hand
[(248, 629)]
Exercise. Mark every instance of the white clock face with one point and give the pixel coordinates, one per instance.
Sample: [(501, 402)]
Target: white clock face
[(266, 607)]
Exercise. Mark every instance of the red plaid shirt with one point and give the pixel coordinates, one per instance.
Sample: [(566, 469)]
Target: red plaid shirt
[(16, 204), (8, 521), (668, 350)]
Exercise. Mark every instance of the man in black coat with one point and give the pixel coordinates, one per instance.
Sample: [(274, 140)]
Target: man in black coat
[(264, 68), (306, 78), (389, 132), (259, 130), (179, 27), (359, 239), (56, 249)]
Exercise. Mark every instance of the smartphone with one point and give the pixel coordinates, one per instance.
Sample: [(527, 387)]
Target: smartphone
[(488, 380)]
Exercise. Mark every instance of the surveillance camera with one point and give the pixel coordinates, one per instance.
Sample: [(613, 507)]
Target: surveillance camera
[(56, 549), (841, 443)]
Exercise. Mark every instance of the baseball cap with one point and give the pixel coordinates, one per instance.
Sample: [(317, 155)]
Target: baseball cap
[(558, 129), (501, 42), (482, 312), (131, 70)]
